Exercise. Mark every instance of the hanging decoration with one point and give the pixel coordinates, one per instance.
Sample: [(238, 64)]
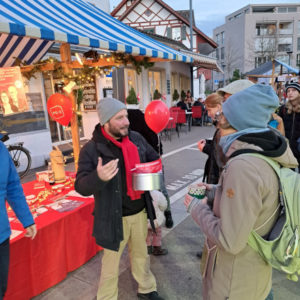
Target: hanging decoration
[(87, 72)]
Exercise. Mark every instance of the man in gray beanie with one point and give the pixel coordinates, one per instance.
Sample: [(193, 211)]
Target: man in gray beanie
[(245, 199), (120, 215)]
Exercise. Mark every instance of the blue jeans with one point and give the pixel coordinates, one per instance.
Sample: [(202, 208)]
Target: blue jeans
[(4, 261)]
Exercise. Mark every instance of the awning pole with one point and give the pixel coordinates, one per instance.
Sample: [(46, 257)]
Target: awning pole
[(273, 74), (65, 54)]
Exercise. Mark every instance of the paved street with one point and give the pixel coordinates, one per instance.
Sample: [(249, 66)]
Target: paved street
[(177, 274)]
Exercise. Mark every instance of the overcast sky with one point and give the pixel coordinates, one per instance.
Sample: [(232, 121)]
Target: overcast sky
[(211, 13)]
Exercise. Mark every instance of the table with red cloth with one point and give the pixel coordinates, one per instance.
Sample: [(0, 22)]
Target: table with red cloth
[(63, 243)]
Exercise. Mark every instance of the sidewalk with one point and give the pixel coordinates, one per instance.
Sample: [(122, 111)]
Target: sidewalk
[(177, 274)]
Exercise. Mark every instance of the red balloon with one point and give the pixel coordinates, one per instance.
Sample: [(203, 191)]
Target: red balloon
[(157, 115), (60, 108)]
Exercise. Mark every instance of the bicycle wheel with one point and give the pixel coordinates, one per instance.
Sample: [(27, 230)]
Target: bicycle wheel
[(21, 158)]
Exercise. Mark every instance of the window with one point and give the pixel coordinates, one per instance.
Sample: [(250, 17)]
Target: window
[(286, 28), (287, 9), (130, 80), (298, 60), (176, 33), (298, 43), (285, 44), (149, 30), (218, 38), (261, 60), (265, 29), (298, 28), (222, 37), (154, 82), (217, 54), (284, 47), (148, 12), (222, 53)]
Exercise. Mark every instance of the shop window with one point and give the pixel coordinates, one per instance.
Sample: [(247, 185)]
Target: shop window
[(130, 81), (154, 82)]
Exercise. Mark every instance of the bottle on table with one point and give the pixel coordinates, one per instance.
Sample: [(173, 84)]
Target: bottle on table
[(51, 174)]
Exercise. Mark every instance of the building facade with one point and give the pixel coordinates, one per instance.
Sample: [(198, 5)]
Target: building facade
[(158, 19), (254, 35)]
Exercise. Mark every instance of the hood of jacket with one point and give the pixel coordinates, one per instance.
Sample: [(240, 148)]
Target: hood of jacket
[(270, 143)]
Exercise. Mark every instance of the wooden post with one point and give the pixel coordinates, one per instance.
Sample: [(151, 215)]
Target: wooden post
[(65, 54), (273, 74)]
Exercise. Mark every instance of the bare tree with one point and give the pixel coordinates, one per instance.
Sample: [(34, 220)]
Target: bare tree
[(232, 59), (264, 48)]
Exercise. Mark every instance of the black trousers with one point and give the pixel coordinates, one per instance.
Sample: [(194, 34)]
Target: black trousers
[(4, 262)]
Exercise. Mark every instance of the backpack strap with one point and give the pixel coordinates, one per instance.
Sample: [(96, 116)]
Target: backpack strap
[(276, 167)]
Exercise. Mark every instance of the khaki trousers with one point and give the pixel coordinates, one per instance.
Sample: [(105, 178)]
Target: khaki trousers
[(135, 233)]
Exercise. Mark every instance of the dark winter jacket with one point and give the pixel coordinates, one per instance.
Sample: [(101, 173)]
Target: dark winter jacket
[(215, 160), (291, 123), (137, 123), (108, 229)]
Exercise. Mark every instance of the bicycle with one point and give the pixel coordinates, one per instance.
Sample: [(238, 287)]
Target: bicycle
[(19, 154)]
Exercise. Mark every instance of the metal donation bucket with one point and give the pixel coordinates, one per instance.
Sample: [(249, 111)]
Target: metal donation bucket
[(147, 176), (147, 181)]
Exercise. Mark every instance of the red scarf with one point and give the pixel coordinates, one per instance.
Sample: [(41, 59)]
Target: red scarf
[(131, 157)]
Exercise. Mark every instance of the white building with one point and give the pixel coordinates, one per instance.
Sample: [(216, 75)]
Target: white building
[(255, 34)]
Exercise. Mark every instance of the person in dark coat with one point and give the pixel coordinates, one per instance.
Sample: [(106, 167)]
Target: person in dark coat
[(137, 123), (290, 115), (120, 215)]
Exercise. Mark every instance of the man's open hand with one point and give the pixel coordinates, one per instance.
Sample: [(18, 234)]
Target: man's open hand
[(108, 171)]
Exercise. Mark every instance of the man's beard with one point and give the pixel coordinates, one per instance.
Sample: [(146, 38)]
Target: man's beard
[(117, 132)]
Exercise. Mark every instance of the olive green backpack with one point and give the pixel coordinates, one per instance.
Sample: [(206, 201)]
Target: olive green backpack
[(281, 248)]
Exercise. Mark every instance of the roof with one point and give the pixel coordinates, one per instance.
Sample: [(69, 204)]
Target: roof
[(203, 61), (266, 67), (78, 23), (186, 14), (171, 10), (167, 41)]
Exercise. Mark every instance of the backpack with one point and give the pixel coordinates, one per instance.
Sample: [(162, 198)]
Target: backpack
[(281, 248)]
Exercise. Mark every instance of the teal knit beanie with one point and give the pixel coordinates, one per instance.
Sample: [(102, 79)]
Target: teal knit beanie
[(251, 108)]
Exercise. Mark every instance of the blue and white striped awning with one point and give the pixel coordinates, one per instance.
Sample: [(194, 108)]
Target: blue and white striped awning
[(79, 23)]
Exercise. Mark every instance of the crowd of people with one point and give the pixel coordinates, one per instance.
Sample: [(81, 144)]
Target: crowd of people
[(241, 190)]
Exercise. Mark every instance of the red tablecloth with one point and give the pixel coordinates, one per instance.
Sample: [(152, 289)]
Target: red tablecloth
[(64, 242)]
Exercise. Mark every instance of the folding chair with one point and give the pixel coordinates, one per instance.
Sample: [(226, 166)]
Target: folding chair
[(197, 115)]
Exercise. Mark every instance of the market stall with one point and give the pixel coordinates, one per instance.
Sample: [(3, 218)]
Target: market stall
[(64, 241)]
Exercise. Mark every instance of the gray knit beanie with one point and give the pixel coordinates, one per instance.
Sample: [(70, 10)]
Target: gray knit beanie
[(107, 108), (251, 108)]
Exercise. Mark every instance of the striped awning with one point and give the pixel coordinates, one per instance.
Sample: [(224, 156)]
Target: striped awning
[(23, 48), (204, 61), (75, 22)]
